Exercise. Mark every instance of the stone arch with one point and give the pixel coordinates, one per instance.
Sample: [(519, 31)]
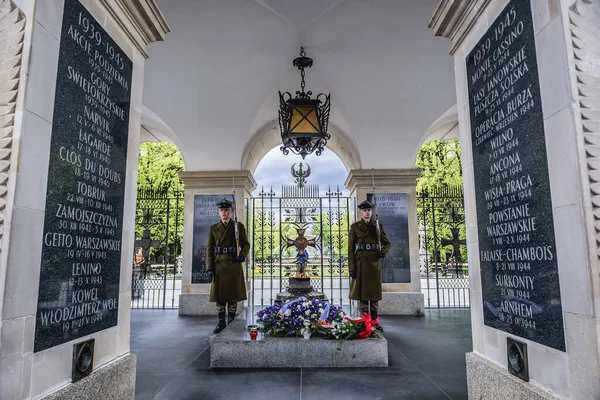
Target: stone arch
[(445, 127), (269, 137), (154, 129)]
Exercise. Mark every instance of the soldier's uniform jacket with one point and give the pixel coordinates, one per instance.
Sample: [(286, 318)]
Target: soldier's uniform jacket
[(228, 283), (366, 264)]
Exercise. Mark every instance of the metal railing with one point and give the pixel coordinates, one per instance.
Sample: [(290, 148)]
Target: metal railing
[(444, 275), (156, 280), (276, 221)]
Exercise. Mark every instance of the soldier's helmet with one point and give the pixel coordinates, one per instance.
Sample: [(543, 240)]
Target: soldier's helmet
[(224, 204), (365, 205)]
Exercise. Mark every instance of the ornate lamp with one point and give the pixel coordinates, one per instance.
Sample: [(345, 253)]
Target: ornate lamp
[(303, 121)]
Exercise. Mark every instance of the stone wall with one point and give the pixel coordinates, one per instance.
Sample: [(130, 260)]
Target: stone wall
[(23, 372)]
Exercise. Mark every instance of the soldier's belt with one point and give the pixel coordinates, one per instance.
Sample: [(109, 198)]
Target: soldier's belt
[(366, 246), (224, 250)]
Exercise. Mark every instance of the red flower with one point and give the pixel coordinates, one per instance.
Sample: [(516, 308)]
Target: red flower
[(370, 324)]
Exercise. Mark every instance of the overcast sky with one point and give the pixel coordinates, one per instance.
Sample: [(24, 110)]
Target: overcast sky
[(275, 170)]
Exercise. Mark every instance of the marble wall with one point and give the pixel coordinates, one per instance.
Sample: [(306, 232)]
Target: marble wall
[(24, 373), (572, 373)]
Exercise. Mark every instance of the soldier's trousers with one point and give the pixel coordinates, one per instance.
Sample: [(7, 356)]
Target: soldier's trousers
[(363, 305), (231, 308)]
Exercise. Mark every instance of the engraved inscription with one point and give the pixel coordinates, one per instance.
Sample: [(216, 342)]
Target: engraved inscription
[(83, 225), (519, 271)]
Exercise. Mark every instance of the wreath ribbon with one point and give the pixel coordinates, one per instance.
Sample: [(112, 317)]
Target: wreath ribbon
[(370, 324)]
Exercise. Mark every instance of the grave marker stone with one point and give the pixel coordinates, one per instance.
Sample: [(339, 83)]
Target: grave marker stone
[(206, 214), (393, 215)]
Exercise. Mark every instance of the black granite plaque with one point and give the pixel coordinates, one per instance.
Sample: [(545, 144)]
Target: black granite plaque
[(81, 247), (392, 209), (206, 214), (519, 271)]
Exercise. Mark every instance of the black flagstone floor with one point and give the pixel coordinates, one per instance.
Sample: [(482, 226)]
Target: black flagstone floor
[(426, 356)]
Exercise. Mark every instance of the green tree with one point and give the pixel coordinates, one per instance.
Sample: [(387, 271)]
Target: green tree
[(160, 192), (441, 165), (266, 239), (334, 226), (159, 164)]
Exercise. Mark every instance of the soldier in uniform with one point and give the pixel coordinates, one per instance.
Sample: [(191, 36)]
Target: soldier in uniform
[(223, 265), (364, 260)]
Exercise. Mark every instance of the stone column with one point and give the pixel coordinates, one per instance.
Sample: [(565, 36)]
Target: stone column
[(47, 196), (527, 82), (194, 296), (402, 293)]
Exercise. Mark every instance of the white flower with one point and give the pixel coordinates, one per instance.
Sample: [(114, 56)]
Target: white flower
[(306, 323), (320, 311), (288, 312), (307, 312)]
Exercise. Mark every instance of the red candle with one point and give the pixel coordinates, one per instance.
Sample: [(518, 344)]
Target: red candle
[(253, 334)]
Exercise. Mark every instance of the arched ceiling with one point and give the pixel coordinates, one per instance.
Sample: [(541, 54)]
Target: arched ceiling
[(214, 80)]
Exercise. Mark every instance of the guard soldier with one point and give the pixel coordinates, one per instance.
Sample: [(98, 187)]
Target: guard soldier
[(224, 266), (364, 260)]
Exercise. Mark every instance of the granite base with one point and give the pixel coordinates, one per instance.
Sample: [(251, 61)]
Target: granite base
[(115, 381), (486, 380), (402, 303), (233, 348), (199, 304)]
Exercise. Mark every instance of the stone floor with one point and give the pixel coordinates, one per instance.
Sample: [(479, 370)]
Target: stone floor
[(427, 361)]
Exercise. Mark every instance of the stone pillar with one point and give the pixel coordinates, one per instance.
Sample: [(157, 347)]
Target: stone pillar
[(43, 199), (527, 82), (396, 194), (194, 296)]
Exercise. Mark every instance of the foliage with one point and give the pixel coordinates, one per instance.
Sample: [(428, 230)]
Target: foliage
[(335, 226), (441, 165), (350, 328), (159, 164), (266, 233), (297, 317)]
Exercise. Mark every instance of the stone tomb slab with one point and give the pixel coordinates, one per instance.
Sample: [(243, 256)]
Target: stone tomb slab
[(233, 348)]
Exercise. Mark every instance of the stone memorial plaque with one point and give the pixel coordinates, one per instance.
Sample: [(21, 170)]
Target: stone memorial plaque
[(81, 248), (206, 214), (519, 270), (393, 215)]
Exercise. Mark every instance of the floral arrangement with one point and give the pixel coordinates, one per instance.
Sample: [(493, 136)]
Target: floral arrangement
[(351, 328), (298, 317), (303, 317)]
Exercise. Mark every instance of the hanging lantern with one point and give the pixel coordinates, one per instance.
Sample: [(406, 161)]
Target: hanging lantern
[(303, 121)]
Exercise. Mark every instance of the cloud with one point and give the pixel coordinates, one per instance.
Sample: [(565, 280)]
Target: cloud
[(274, 170)]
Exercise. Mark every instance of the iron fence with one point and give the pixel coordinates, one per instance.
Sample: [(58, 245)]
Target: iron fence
[(156, 280), (274, 222), (442, 252), (277, 222)]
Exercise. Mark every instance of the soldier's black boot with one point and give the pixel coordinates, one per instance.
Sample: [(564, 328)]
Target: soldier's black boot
[(230, 318), (221, 325), (374, 316)]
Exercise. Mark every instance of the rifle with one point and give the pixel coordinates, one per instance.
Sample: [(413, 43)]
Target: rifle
[(235, 224), (377, 229)]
